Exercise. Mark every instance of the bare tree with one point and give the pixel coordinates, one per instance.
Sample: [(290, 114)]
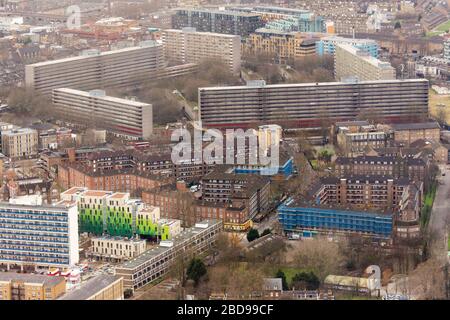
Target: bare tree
[(319, 255)]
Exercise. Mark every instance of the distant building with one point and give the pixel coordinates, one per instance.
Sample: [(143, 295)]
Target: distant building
[(21, 286), (46, 225), (409, 133), (128, 170), (117, 214), (414, 169), (354, 139), (127, 180), (177, 202), (447, 49), (229, 187), (352, 62), (94, 69), (116, 249), (123, 117), (307, 220), (303, 105), (282, 45), (101, 287), (20, 143), (365, 204), (219, 21), (189, 46), (327, 45), (272, 287), (287, 19)]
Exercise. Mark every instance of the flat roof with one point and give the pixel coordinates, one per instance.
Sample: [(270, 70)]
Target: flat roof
[(319, 84), (364, 55), (121, 239), (416, 126), (90, 287), (154, 252), (216, 11), (31, 278), (96, 193), (89, 94), (44, 207), (191, 30), (45, 63), (18, 131), (348, 40), (73, 190), (276, 31), (119, 195)]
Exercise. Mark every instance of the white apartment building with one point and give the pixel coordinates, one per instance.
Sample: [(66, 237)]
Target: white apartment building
[(116, 248), (189, 46), (21, 142), (123, 117), (94, 69), (352, 62)]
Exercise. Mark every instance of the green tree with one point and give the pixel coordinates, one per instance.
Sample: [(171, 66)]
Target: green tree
[(397, 25), (252, 234), (325, 155), (266, 232), (280, 274), (306, 281), (196, 270)]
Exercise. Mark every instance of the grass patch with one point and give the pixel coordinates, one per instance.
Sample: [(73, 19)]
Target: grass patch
[(314, 164), (428, 206), (290, 272)]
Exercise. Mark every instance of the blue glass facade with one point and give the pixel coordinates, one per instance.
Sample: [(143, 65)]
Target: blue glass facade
[(295, 218), (286, 169), (303, 23), (327, 45)]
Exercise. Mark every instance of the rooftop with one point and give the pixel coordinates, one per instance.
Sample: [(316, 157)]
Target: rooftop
[(362, 212), (224, 12), (96, 193), (90, 287), (318, 84), (348, 40), (81, 57), (31, 278), (98, 94), (154, 252), (365, 56), (193, 30), (121, 239), (415, 126)]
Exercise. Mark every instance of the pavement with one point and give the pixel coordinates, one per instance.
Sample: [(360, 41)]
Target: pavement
[(440, 216)]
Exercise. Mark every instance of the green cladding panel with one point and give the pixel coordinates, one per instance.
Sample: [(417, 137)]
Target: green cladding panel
[(119, 222)]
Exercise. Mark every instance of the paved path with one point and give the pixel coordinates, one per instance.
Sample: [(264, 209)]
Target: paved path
[(440, 217)]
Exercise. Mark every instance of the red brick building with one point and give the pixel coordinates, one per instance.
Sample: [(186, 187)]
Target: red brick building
[(125, 180)]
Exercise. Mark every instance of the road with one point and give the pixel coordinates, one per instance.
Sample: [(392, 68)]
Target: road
[(440, 216)]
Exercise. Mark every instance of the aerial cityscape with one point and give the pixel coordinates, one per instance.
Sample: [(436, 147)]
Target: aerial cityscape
[(230, 150)]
